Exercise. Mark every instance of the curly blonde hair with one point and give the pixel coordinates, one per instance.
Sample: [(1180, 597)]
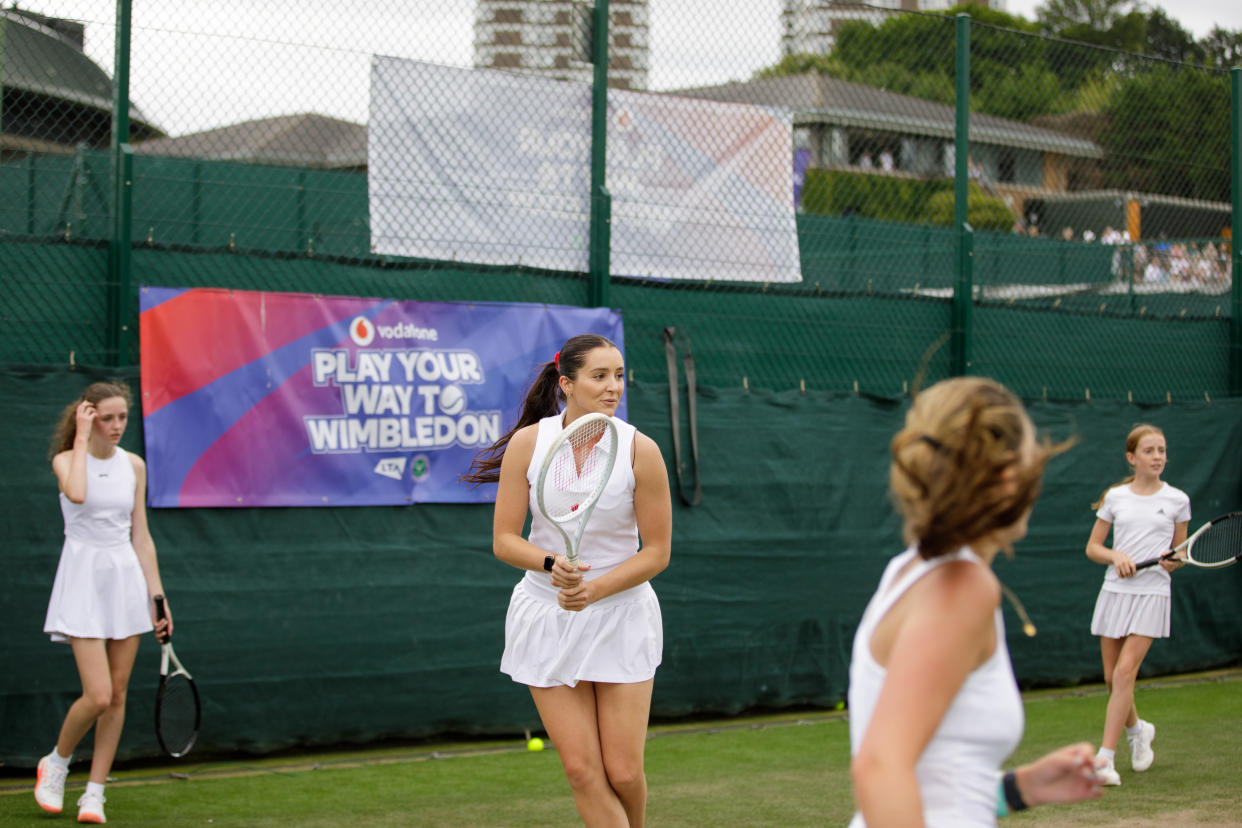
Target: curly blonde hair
[(961, 436)]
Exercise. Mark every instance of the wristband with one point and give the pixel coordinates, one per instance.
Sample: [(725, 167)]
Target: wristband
[(1013, 797), (548, 562)]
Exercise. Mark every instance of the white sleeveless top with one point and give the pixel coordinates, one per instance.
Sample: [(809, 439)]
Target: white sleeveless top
[(611, 536), (960, 767), (103, 517)]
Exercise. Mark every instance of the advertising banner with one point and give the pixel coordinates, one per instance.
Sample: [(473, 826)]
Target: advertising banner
[(495, 168), (285, 399)]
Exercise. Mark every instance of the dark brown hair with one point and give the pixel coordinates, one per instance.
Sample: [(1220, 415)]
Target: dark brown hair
[(543, 399), (67, 424), (960, 437), (1132, 440)]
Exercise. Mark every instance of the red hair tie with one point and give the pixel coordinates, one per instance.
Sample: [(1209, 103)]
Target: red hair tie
[(556, 360)]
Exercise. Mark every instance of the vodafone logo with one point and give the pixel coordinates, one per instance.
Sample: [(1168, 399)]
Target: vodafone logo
[(361, 331)]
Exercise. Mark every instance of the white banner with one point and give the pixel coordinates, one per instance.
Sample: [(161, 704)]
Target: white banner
[(494, 168)]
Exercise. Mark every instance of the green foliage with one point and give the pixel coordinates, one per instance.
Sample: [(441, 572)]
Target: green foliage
[(1168, 132), (869, 195), (983, 212)]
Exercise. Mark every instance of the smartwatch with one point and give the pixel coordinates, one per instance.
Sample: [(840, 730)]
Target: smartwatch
[(548, 562)]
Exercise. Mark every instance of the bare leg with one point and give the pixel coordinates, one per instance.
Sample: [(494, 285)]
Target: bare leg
[(569, 715), (623, 713), (1127, 656), (121, 655), (91, 657)]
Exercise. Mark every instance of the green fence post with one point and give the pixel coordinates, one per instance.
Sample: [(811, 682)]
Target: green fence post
[(1235, 323), (963, 236), (122, 182), (601, 200)]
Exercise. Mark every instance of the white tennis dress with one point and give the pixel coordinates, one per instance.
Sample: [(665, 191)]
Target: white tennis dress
[(960, 767), (99, 591), (617, 639)]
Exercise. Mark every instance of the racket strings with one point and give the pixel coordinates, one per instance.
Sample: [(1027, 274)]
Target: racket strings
[(577, 470), (177, 715), (1221, 542)]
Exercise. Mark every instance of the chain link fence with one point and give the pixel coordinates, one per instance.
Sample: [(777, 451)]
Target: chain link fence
[(1098, 180)]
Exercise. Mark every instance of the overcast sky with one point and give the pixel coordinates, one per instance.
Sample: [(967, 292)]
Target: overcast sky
[(203, 63)]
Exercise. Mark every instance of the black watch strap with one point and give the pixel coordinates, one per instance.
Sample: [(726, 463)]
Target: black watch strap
[(548, 562)]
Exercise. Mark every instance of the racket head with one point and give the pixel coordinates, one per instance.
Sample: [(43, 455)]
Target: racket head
[(178, 710), (575, 471), (1218, 544)]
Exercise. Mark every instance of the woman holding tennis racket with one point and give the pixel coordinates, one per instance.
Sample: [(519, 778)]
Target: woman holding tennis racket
[(585, 638), (934, 707), (1147, 518), (101, 599)]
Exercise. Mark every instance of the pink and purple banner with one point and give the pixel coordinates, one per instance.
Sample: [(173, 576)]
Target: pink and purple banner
[(287, 399)]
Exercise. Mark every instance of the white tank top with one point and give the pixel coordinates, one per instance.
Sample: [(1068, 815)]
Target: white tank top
[(959, 770), (611, 535), (103, 518)]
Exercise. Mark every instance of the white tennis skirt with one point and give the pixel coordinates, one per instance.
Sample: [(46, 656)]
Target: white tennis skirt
[(99, 592), (1118, 614), (617, 640)]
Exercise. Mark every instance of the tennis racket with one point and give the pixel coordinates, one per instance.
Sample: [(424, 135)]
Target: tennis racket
[(574, 473), (178, 712), (1217, 544)]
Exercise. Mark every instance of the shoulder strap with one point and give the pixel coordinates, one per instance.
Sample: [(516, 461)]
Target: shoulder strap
[(674, 406)]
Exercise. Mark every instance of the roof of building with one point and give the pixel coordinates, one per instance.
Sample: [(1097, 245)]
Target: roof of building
[(40, 58), (307, 139), (816, 98)]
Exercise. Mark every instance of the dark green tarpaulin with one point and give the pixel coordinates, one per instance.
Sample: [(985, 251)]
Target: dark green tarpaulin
[(321, 626)]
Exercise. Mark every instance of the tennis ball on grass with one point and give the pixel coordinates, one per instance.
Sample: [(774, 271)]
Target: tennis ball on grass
[(535, 744)]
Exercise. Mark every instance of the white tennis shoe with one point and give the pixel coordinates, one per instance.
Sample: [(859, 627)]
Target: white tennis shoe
[(1108, 775), (1141, 754), (50, 785), (90, 809)]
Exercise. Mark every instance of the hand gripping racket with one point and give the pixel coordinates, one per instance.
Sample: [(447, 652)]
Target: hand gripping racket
[(178, 712), (574, 473), (1217, 544)]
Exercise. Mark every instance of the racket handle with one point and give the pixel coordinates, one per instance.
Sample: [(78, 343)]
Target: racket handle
[(161, 614), (1166, 557)]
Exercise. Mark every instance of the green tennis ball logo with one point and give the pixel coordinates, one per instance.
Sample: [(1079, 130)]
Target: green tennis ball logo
[(419, 467)]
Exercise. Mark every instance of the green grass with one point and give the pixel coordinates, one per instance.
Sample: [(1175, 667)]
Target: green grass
[(766, 771)]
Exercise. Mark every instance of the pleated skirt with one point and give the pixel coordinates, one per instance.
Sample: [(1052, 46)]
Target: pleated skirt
[(99, 592), (1118, 614), (618, 640)]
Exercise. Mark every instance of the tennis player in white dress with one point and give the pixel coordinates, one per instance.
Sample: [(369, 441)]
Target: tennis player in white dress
[(101, 598), (587, 641), (934, 706), (1147, 518)]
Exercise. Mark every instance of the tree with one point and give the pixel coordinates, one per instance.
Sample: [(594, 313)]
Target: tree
[(1167, 131), (1167, 39), (1222, 48), (1055, 16)]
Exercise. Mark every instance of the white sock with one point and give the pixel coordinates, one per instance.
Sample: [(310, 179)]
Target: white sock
[(60, 761), (1131, 732), (1110, 755), (94, 788)]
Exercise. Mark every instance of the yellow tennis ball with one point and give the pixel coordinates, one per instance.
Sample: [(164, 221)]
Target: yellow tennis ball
[(535, 744), (840, 705)]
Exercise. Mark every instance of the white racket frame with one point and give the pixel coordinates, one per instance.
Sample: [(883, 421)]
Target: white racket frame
[(587, 506)]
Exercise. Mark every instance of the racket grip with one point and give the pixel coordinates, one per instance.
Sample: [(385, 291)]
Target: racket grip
[(161, 613), (1166, 557)]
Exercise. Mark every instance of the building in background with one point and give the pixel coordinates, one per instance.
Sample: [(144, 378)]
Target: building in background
[(55, 98), (550, 37), (810, 26)]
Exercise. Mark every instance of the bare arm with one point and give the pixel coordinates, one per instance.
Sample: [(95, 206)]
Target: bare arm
[(944, 634), (70, 466), (653, 510), (144, 544), (512, 504), (1180, 532), (1101, 554)]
